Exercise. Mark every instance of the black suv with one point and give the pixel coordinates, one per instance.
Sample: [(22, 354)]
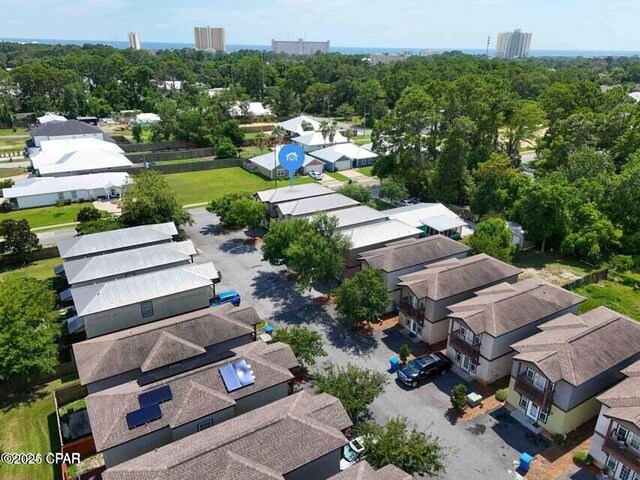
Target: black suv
[(423, 368)]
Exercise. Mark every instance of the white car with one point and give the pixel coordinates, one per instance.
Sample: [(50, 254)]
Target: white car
[(315, 175), (351, 453)]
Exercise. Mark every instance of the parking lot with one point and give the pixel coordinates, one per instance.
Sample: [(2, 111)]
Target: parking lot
[(482, 448)]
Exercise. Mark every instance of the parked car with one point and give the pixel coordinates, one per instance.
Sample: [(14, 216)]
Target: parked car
[(421, 369), (230, 296), (352, 452), (315, 175)]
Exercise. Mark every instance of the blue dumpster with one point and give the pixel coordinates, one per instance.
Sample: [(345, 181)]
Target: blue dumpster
[(525, 461), (268, 329), (395, 363)]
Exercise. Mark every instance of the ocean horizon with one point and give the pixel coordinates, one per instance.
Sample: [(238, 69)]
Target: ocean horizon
[(345, 50)]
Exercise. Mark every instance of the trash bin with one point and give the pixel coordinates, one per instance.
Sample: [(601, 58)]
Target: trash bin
[(268, 329), (395, 363), (525, 461)]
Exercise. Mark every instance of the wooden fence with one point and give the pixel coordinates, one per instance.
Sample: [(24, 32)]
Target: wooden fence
[(197, 166), (156, 146), (593, 277), (172, 155), (42, 254)]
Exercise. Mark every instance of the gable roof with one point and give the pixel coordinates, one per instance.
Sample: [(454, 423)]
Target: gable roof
[(409, 253), (576, 348), (161, 343), (128, 261), (623, 399), (298, 429), (118, 293), (324, 203), (314, 139), (381, 232), (423, 214), (506, 307), (269, 161), (297, 192), (46, 185), (80, 161), (196, 394), (294, 125), (103, 242), (363, 471), (343, 150), (358, 215), (453, 276), (63, 128), (60, 147)]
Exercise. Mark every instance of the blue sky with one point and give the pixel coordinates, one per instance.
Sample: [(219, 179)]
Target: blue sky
[(556, 24)]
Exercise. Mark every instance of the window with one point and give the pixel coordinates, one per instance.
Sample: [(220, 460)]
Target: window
[(147, 309), (74, 194), (523, 402), (458, 357), (530, 374), (612, 464), (621, 433), (280, 172), (634, 441), (544, 416), (205, 425), (474, 366), (60, 196), (625, 473), (476, 339), (462, 332)]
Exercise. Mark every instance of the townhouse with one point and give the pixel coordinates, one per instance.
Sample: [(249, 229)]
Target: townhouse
[(272, 198), (312, 205)]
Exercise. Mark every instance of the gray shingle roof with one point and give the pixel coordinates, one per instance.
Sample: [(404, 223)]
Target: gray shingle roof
[(105, 296), (196, 394), (409, 253), (161, 343), (359, 215), (297, 192), (577, 348), (381, 232), (507, 307), (280, 437), (450, 277), (124, 238), (129, 261), (67, 127), (324, 203), (623, 399), (363, 471)]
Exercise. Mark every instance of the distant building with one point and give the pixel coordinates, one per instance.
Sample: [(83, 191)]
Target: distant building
[(386, 58), (299, 47), (208, 38), (134, 41), (513, 44)]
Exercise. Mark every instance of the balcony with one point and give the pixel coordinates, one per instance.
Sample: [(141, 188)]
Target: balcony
[(543, 398), (464, 347), (621, 452), (411, 311)]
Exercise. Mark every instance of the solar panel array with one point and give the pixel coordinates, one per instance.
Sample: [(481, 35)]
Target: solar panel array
[(156, 396), (191, 364), (237, 375), (143, 416)]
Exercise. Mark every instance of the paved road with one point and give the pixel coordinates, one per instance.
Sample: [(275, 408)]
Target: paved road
[(528, 157), (484, 448), (51, 237)]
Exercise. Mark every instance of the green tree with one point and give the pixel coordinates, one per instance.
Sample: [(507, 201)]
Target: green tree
[(396, 443), (136, 132), (104, 224), (624, 197), (405, 351), (355, 387), (346, 111), (245, 212), (393, 189), (371, 101), (522, 125), (452, 182), (357, 192), (459, 398), (28, 328), (363, 297), (18, 240), (592, 237), (280, 236), (88, 214), (226, 149), (493, 237), (149, 200), (305, 343), (222, 206)]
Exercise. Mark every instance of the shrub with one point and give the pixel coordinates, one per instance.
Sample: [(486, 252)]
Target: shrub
[(581, 458), (621, 263), (559, 439), (405, 351), (501, 395), (459, 398)]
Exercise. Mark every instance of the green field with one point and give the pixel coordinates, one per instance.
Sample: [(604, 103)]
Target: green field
[(203, 186), (611, 294), (40, 269), (368, 171), (337, 176), (43, 216), (11, 172), (4, 132), (361, 139), (253, 151)]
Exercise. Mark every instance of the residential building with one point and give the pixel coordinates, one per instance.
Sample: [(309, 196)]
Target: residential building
[(369, 237), (57, 148), (128, 263), (407, 256), (191, 401), (358, 216), (313, 205), (128, 302), (514, 44), (303, 434), (312, 141), (276, 196), (483, 328), (431, 219), (267, 165), (558, 373), (170, 85), (123, 239), (426, 295), (51, 117), (81, 162), (615, 446), (41, 191), (299, 47), (163, 346), (386, 58), (147, 118), (134, 41), (63, 130), (344, 156), (250, 109), (209, 38), (518, 235), (363, 471), (299, 125)]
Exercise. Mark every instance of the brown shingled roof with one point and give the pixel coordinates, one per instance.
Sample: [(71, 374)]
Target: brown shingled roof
[(364, 471), (577, 348), (623, 399), (273, 440), (161, 343)]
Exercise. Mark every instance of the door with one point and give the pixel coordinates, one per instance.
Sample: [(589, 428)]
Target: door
[(414, 327), (465, 363), (533, 411)]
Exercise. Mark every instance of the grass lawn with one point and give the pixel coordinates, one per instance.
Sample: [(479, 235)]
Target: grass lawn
[(381, 205), (551, 266), (253, 151), (40, 269), (337, 176), (254, 135), (9, 132), (361, 139), (28, 424), (43, 216), (11, 172), (368, 171), (611, 294), (203, 186)]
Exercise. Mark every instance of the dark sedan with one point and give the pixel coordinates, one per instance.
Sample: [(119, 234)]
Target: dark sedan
[(423, 368)]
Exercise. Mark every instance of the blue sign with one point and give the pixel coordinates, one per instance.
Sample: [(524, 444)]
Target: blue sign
[(291, 158)]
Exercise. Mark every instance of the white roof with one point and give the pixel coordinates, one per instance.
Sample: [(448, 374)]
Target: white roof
[(269, 161), (170, 84), (147, 118), (256, 109), (80, 161), (101, 297), (635, 96), (294, 125), (287, 194), (125, 262), (45, 185), (60, 147), (442, 223), (418, 215), (350, 217), (516, 228), (378, 233), (343, 150), (51, 117), (324, 203), (313, 139), (97, 243)]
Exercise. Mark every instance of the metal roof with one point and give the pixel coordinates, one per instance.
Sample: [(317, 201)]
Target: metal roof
[(287, 194), (126, 262), (46, 185), (60, 147), (294, 125), (80, 161), (351, 217), (382, 232), (269, 161), (316, 138), (418, 215), (312, 205), (97, 243), (442, 223), (338, 152), (118, 293)]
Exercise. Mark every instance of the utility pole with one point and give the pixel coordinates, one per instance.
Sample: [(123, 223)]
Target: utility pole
[(488, 43)]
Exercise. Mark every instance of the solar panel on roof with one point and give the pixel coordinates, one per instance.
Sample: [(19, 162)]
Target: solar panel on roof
[(237, 375), (156, 396), (161, 373), (143, 416)]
